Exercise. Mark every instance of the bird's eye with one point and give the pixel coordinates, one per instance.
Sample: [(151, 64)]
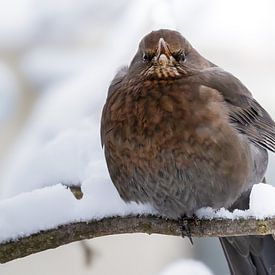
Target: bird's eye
[(148, 57), (179, 56)]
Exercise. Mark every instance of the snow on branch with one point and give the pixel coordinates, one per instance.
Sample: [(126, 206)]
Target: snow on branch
[(50, 217), (149, 224)]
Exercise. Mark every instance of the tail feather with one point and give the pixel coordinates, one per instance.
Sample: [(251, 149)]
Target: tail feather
[(249, 255), (259, 259)]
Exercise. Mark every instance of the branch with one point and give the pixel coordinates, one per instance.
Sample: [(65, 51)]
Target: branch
[(68, 233)]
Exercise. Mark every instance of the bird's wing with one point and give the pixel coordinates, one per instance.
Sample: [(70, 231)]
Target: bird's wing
[(245, 254), (114, 86), (247, 115)]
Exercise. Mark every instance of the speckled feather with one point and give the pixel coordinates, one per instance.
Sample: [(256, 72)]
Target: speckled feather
[(163, 145), (168, 141), (182, 135)]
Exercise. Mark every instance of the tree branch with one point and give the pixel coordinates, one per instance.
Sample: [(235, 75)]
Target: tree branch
[(68, 233)]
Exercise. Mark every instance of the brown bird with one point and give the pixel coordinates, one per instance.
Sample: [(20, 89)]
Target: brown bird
[(180, 133)]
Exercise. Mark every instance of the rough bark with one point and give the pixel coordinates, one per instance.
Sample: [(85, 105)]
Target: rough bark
[(68, 233)]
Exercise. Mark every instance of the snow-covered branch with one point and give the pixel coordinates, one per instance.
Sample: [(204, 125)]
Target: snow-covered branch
[(50, 217), (149, 224)]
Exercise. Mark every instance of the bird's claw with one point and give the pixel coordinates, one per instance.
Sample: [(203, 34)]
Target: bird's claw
[(185, 229)]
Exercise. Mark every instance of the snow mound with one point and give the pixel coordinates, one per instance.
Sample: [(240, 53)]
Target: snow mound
[(262, 201), (262, 205), (52, 206), (190, 267)]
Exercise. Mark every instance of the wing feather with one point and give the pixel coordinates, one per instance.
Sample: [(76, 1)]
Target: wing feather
[(247, 115)]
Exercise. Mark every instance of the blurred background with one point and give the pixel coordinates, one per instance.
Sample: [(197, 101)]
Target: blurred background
[(57, 59)]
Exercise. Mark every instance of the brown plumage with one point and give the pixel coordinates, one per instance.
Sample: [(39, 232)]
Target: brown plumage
[(180, 133)]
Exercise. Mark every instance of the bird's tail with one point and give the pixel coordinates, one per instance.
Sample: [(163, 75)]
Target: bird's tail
[(249, 255)]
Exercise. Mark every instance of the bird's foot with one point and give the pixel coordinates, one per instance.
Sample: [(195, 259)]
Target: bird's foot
[(185, 228)]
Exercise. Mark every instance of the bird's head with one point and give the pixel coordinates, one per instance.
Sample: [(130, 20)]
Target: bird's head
[(166, 54)]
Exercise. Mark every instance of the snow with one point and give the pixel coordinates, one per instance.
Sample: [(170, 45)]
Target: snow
[(52, 206), (262, 201), (45, 66), (9, 92), (64, 158), (62, 137), (222, 213), (39, 22), (17, 23), (187, 266), (261, 206), (61, 140)]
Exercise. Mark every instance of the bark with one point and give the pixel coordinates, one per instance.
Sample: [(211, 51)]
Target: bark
[(68, 233)]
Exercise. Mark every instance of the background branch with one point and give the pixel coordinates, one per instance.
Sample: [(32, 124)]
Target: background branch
[(68, 233)]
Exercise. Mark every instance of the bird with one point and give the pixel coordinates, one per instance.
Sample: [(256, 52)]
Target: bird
[(181, 133)]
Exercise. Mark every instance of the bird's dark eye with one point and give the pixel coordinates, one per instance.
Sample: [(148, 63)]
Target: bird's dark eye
[(179, 56), (148, 57)]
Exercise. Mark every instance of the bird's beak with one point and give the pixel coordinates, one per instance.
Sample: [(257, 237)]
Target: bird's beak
[(163, 53)]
